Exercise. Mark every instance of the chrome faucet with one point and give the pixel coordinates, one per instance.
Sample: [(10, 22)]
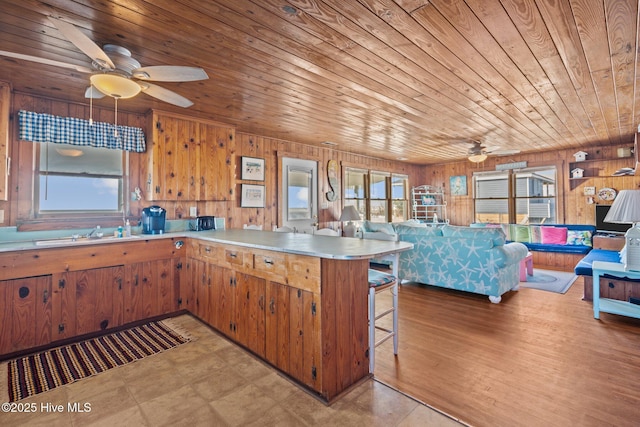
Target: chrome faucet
[(97, 231)]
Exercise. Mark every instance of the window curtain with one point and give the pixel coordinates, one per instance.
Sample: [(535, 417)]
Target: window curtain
[(40, 127)]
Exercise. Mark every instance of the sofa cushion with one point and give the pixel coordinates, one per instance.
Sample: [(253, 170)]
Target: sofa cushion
[(520, 233), (554, 235), (383, 227), (496, 235), (563, 249), (535, 234), (584, 266), (402, 229), (579, 237)]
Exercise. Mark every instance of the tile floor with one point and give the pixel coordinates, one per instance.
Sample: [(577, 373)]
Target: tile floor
[(212, 382)]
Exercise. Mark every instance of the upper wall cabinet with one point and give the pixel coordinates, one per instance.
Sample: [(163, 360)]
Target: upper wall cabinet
[(189, 159), (5, 103)]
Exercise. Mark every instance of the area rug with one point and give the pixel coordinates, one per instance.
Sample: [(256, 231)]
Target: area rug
[(550, 280), (40, 372)]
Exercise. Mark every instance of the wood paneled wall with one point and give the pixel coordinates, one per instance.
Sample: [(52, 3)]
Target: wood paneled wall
[(572, 203), (19, 210)]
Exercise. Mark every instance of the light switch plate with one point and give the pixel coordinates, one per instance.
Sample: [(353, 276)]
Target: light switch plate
[(193, 211)]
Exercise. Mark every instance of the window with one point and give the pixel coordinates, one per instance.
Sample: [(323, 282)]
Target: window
[(75, 178), (526, 196), (355, 190), (378, 196)]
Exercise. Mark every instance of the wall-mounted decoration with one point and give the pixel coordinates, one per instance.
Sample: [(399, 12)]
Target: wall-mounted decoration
[(589, 191), (458, 185), (253, 168), (607, 194), (332, 176), (252, 196)]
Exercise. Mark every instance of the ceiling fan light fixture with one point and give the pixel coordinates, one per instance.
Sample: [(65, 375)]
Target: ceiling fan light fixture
[(477, 158), (115, 86)]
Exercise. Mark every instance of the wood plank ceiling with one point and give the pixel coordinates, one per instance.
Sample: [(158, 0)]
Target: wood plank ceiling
[(415, 80)]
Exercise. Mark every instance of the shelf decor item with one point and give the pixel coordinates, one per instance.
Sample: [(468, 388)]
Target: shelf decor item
[(253, 168), (577, 173), (580, 156), (626, 209)]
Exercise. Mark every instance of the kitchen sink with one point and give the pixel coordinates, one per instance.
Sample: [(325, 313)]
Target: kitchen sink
[(70, 241)]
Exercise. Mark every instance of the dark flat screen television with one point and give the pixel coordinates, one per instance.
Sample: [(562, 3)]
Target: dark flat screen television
[(608, 227)]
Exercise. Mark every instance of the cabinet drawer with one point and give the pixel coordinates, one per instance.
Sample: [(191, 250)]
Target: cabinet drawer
[(234, 257), (304, 272), (273, 265), (209, 251)]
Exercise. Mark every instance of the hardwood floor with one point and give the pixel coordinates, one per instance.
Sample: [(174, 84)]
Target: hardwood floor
[(537, 358)]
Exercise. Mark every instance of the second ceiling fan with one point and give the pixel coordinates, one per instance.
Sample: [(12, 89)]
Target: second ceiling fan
[(114, 72)]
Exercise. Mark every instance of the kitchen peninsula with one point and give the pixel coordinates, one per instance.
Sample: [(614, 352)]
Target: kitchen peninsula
[(297, 301)]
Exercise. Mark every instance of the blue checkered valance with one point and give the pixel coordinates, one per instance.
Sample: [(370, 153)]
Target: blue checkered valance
[(39, 127)]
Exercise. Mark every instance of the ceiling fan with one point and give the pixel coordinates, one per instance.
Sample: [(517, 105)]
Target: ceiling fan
[(478, 153), (114, 72)]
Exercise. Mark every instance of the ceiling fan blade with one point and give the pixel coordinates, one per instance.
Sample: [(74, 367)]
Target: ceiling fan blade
[(45, 61), (170, 73), (165, 95), (94, 93), (84, 43)]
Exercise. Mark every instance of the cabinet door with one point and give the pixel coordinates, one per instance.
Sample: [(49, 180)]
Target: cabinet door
[(85, 286), (277, 325), (249, 313), (202, 281), (292, 332), (63, 300), (133, 304), (166, 270), (98, 296), (25, 313), (149, 290), (224, 297), (187, 287), (190, 159), (109, 297), (169, 157), (216, 162)]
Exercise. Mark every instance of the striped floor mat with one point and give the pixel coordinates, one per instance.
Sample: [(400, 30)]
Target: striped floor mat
[(49, 369)]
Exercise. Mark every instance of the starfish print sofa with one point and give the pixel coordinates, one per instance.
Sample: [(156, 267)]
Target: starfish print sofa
[(477, 260)]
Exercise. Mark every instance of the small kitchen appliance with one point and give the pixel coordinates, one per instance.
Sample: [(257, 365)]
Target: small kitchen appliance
[(153, 219), (203, 223)]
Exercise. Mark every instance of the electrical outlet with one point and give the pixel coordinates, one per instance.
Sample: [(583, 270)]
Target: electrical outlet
[(193, 211)]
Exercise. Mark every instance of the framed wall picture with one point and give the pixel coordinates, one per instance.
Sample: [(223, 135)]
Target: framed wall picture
[(253, 168), (252, 196), (458, 185)]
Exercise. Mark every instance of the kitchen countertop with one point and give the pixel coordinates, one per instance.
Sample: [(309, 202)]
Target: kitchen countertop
[(295, 243)]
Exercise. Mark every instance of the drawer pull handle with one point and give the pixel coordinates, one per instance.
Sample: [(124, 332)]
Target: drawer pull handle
[(207, 249), (233, 255), (269, 261)]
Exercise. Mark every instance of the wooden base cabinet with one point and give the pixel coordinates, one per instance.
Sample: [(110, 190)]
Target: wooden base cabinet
[(305, 315), (81, 295)]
